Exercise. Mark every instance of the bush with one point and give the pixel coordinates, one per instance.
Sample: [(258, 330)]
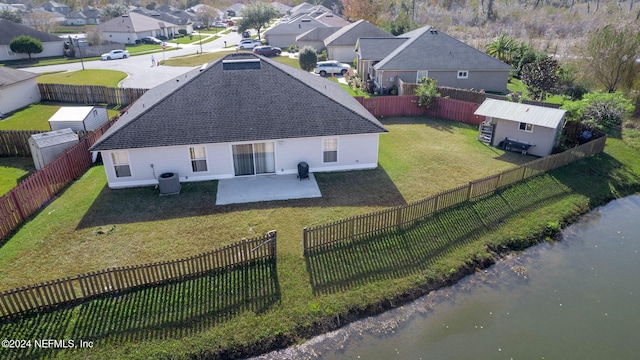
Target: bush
[(427, 92), (182, 31), (308, 58)]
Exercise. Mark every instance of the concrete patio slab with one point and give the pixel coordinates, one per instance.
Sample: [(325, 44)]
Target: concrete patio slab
[(266, 188)]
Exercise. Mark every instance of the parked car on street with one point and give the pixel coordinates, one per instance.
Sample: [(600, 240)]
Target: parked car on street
[(115, 54), (249, 44), (266, 50), (228, 22), (150, 40), (325, 68), (219, 25)]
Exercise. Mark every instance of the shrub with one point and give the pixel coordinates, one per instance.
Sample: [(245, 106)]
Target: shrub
[(308, 58), (427, 92)]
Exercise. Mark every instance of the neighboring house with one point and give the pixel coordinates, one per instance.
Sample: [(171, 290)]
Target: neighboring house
[(341, 45), (183, 22), (235, 9), (315, 37), (371, 50), (17, 89), (76, 18), (282, 8), (300, 9), (93, 15), (53, 6), (513, 125), (187, 19), (128, 28), (285, 34), (52, 45), (331, 19), (192, 127), (196, 9), (427, 52)]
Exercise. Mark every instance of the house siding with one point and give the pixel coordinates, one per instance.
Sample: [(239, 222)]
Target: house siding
[(344, 54), (543, 137), (18, 95), (354, 152), (50, 49), (494, 81)]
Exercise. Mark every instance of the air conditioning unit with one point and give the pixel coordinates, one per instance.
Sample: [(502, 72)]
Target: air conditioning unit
[(169, 184)]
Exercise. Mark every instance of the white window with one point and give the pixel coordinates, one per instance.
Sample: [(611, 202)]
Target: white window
[(421, 74), (198, 158), (121, 163), (463, 74), (526, 127), (330, 150)]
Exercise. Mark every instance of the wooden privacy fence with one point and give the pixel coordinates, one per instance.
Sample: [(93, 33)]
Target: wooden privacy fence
[(85, 94), (119, 279), (40, 187), (15, 142), (449, 109), (324, 235)]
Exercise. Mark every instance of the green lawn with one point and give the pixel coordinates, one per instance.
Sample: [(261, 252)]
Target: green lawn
[(91, 227), (13, 170), (108, 78), (33, 117)]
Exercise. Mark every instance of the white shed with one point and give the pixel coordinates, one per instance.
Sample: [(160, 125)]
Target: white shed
[(520, 127), (79, 118), (45, 147)]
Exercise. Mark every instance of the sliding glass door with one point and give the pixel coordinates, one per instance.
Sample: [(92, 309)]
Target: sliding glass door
[(251, 159)]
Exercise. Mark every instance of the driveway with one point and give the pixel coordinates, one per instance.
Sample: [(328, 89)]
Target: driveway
[(140, 72)]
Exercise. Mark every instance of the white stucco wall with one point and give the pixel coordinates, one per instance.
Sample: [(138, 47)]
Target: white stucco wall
[(18, 95), (354, 152)]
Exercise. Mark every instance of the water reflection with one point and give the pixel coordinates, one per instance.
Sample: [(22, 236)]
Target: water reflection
[(574, 299)]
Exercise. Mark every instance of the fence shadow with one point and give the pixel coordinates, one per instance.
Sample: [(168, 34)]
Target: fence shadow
[(170, 311), (345, 188), (397, 253)]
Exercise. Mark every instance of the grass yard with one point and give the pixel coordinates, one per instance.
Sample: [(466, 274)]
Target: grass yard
[(13, 170), (64, 239), (108, 78), (36, 116)]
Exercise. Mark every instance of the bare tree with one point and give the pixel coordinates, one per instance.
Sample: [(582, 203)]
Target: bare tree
[(40, 20), (206, 15)]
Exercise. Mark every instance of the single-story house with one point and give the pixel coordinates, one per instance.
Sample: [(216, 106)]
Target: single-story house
[(183, 22), (535, 130), (284, 34), (282, 8), (88, 15), (428, 52), (128, 28), (315, 37), (371, 50), (52, 45), (199, 127), (17, 89), (341, 45)]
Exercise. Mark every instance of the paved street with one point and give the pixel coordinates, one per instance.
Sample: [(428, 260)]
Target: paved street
[(141, 73)]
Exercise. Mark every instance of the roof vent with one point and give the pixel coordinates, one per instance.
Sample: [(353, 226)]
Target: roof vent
[(244, 64)]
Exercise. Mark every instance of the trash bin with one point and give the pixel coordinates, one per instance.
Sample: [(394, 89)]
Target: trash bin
[(303, 170)]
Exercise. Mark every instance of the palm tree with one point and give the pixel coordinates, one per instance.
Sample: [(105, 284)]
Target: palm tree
[(502, 48)]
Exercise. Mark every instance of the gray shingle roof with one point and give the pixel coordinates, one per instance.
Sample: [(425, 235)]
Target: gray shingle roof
[(215, 105), (10, 30), (317, 34), (132, 23), (350, 34), (9, 76), (377, 48), (431, 49)]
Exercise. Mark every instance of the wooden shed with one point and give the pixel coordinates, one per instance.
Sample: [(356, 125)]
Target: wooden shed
[(79, 118), (45, 147), (519, 127)]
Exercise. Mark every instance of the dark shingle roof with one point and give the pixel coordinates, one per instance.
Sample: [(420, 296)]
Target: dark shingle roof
[(377, 48), (221, 104), (10, 30)]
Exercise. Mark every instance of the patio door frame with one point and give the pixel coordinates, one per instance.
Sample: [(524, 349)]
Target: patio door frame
[(254, 158)]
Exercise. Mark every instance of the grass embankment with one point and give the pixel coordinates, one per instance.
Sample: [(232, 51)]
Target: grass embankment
[(108, 78), (88, 225)]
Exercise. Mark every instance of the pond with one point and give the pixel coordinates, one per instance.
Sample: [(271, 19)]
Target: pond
[(578, 298)]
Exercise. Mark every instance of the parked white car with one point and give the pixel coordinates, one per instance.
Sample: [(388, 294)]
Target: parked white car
[(325, 68), (249, 44), (115, 54)]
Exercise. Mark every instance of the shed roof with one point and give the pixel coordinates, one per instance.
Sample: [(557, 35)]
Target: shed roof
[(9, 76), (71, 113), (55, 137), (530, 114), (241, 97)]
